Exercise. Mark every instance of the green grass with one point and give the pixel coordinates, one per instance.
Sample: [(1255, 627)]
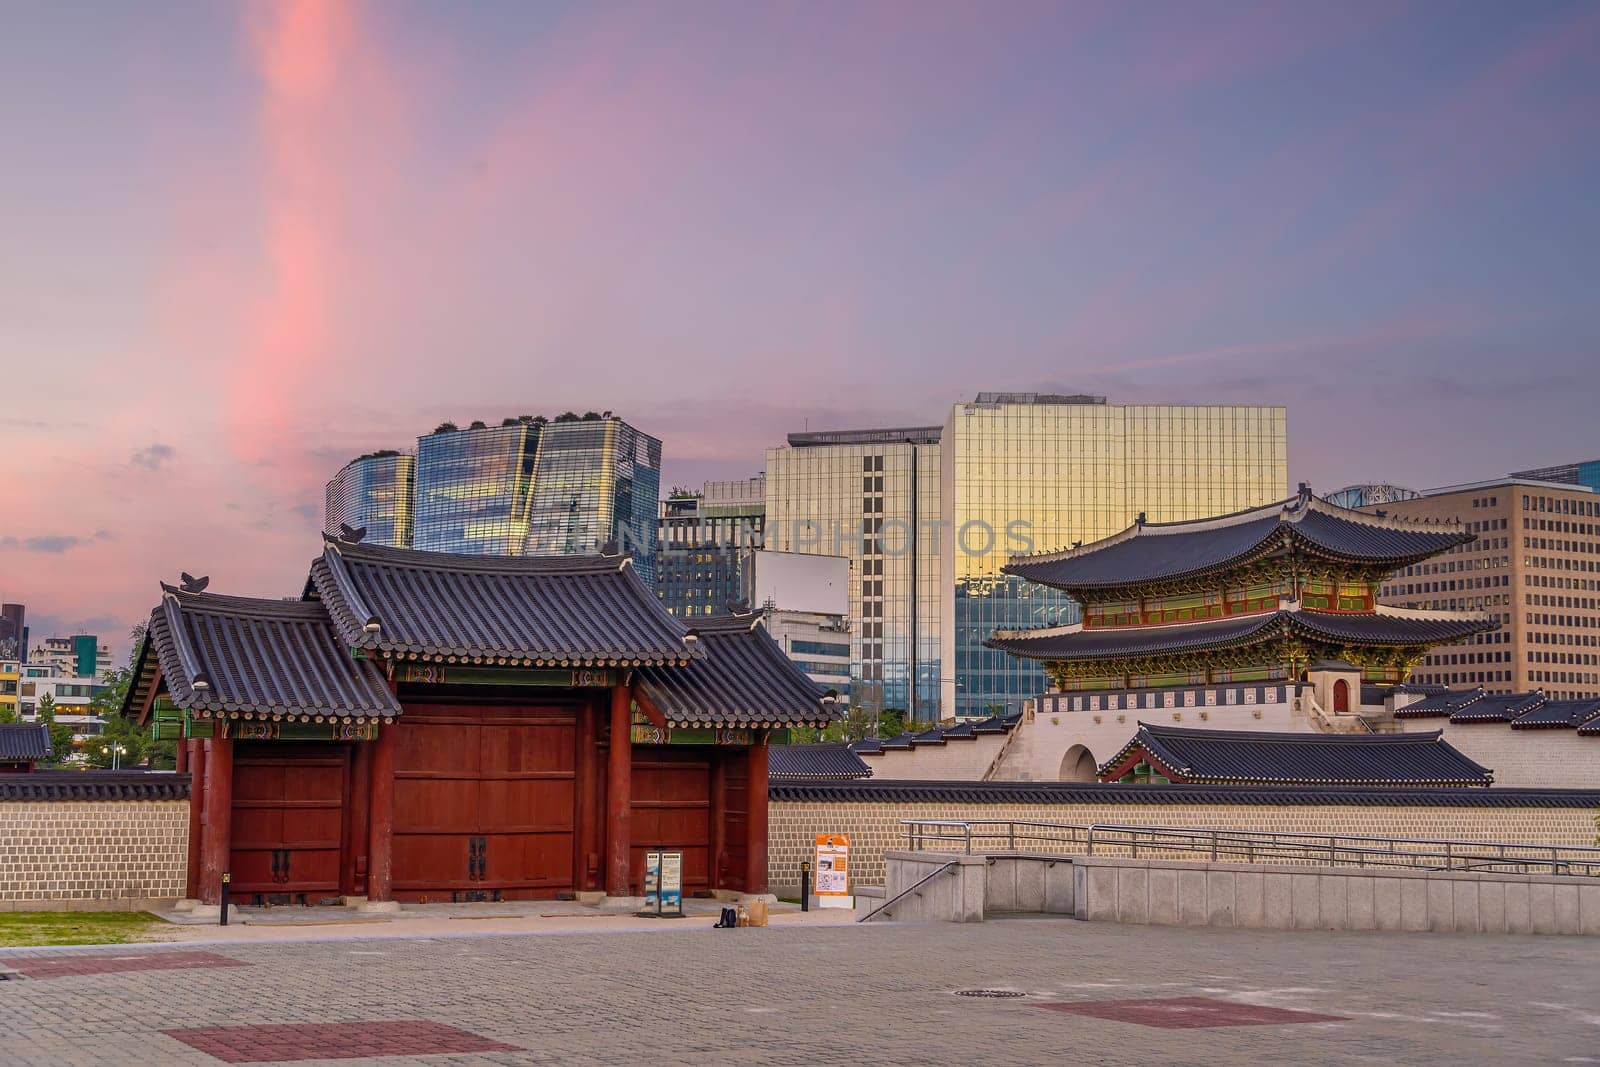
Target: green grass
[(21, 929)]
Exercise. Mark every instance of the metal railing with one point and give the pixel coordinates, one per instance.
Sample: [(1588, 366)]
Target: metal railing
[(906, 892), (1246, 846)]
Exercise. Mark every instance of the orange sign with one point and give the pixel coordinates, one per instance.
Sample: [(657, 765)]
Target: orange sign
[(833, 871)]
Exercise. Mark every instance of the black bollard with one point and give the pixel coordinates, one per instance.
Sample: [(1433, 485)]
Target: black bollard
[(805, 886), (226, 877)]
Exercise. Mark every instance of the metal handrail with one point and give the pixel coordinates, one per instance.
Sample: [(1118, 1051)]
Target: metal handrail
[(1252, 846), (898, 897)]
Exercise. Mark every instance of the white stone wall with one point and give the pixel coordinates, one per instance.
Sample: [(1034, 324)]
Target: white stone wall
[(953, 761), (1528, 759)]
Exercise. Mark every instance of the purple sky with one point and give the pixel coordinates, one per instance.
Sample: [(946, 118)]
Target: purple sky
[(241, 244)]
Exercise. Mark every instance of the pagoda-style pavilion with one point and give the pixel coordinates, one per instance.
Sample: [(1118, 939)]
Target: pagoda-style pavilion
[(1254, 596), (432, 727)]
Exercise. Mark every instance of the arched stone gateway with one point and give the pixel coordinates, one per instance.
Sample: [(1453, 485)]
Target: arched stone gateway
[(1078, 765)]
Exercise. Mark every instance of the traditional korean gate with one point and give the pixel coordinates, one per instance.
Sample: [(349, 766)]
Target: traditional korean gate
[(288, 818), (672, 810), (483, 802)]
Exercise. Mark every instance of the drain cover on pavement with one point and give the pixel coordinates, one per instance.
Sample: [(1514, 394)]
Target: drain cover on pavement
[(1182, 1013), (998, 994)]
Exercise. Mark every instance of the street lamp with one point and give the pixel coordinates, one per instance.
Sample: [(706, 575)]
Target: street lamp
[(116, 756)]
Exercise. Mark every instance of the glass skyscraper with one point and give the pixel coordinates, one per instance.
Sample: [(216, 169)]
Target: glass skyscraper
[(595, 480), (1031, 472), (524, 487), (702, 542), (473, 488), (941, 509), (374, 491)]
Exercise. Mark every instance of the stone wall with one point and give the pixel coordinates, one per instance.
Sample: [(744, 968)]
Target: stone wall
[(874, 826), (960, 760), (92, 854)]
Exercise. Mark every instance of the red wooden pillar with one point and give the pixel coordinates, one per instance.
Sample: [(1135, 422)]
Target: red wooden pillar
[(353, 879), (755, 877), (181, 753), (586, 787), (380, 816), (197, 806), (719, 820), (217, 836), (619, 794)]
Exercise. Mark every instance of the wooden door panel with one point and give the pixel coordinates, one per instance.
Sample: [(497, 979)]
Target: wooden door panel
[(288, 818), (502, 775)]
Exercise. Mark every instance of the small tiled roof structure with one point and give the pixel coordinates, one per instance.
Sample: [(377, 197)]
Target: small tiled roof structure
[(25, 742), (1499, 707), (833, 761), (558, 611), (227, 654), (1559, 714), (1174, 798), (1385, 626), (969, 730), (1147, 552), (739, 677), (1229, 757), (94, 785)]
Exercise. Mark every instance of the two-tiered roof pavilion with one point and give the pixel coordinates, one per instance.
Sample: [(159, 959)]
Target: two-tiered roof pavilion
[(1258, 595)]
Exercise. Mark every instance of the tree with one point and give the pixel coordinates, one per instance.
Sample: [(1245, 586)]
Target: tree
[(8, 713), (446, 427), (682, 492), (60, 735), (567, 416)]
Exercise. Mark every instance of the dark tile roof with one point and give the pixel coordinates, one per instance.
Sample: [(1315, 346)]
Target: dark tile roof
[(895, 791), (1259, 758), (524, 611), (1590, 728), (1439, 705), (1555, 714), (869, 745), (239, 654), (1498, 707), (94, 785), (898, 741), (739, 677), (1164, 551), (1384, 627), (809, 762), (25, 741)]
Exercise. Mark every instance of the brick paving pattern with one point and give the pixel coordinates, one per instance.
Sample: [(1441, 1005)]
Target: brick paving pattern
[(1189, 1013), (332, 1041), (81, 964), (847, 994)]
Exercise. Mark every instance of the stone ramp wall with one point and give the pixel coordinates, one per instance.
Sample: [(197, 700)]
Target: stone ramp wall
[(871, 815)]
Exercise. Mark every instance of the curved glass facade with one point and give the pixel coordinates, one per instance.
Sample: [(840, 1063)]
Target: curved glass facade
[(595, 480), (473, 489), (376, 492)]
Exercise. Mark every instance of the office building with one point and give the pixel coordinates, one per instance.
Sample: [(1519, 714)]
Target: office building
[(10, 672), (527, 487), (81, 655), (1535, 567), (872, 497), (1359, 496), (1008, 473), (13, 631), (701, 539), (1585, 474), (374, 492), (803, 601)]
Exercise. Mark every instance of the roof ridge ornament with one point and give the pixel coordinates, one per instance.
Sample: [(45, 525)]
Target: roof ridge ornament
[(190, 584), (351, 534)]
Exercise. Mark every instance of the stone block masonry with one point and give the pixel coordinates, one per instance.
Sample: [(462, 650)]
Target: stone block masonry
[(101, 855)]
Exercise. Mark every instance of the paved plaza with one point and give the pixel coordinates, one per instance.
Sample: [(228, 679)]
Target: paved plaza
[(806, 994)]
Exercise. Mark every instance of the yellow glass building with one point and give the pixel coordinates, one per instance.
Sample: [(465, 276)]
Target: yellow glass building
[(1031, 472)]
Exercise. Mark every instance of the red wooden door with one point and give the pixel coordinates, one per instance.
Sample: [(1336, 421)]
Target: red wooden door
[(672, 810), (484, 801), (288, 817)]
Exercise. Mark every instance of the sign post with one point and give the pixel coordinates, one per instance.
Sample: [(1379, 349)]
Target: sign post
[(833, 871), (663, 885)]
